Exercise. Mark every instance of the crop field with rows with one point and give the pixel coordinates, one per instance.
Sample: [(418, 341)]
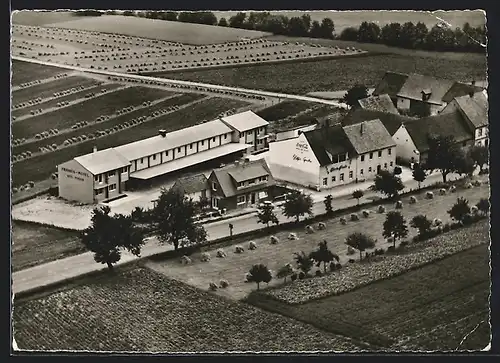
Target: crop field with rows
[(192, 109), (140, 310), (235, 266), (335, 74), (23, 72)]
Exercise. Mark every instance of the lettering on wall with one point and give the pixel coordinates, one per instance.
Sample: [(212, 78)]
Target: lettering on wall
[(302, 146), (72, 174), (304, 159), (335, 168)]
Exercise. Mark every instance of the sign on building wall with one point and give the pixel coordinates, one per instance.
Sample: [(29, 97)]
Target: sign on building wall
[(301, 147), (72, 174)]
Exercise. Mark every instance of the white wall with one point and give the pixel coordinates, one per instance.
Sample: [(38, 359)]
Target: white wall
[(203, 145), (335, 170), (403, 103), (154, 160), (191, 149), (75, 182), (405, 148)]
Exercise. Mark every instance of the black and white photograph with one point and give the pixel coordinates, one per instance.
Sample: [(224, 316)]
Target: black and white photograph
[(207, 181)]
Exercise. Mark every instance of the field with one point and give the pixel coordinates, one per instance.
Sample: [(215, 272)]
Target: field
[(431, 308), (23, 72), (41, 166), (334, 74), (140, 310), (33, 244), (234, 267), (40, 18)]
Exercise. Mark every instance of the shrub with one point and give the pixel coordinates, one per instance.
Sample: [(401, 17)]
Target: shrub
[(366, 213), (221, 253), (224, 284), (338, 266), (302, 275), (293, 236), (318, 273), (403, 243), (354, 217), (343, 221), (309, 229), (252, 245), (205, 257), (294, 276), (381, 209), (185, 260), (429, 195), (477, 183), (399, 204), (446, 227), (321, 226), (332, 266), (239, 249), (390, 249), (212, 286), (274, 240), (413, 199)]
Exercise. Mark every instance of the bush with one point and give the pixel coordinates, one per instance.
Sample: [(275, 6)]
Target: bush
[(332, 266), (399, 204), (309, 229), (221, 253), (274, 240), (252, 245), (318, 273), (293, 236), (413, 199), (446, 227), (321, 226), (294, 276), (366, 213), (212, 286), (381, 209), (403, 243), (224, 284), (429, 195), (239, 249), (205, 257), (302, 275), (343, 221), (468, 219), (477, 183), (354, 217)]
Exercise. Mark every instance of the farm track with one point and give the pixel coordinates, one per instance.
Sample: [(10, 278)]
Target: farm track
[(115, 120), (86, 110), (42, 166)]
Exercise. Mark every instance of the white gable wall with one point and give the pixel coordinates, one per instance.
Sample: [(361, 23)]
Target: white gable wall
[(405, 147)]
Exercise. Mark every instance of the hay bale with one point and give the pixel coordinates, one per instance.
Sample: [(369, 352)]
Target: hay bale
[(293, 236), (252, 245), (309, 229), (205, 257), (221, 253), (185, 260), (212, 286), (321, 226), (350, 250), (354, 217), (468, 185), (413, 199), (239, 249), (429, 195), (224, 284), (274, 240), (343, 221), (399, 204), (248, 277), (437, 222), (381, 209), (474, 209), (477, 183), (442, 191), (366, 213), (453, 189)]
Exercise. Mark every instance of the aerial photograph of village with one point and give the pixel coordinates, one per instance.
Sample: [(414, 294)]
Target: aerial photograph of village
[(249, 181)]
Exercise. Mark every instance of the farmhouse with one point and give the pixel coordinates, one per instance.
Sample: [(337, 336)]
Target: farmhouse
[(474, 109), (293, 132), (381, 103), (195, 187), (420, 94), (391, 121), (412, 137), (242, 185), (93, 177), (331, 156), (168, 152)]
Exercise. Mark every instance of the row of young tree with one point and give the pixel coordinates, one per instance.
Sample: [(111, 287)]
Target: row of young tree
[(417, 36)]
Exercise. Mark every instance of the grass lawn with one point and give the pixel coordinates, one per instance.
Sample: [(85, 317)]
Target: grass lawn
[(234, 267), (160, 29), (334, 74), (34, 244), (69, 98), (179, 100), (87, 110), (47, 90), (42, 166), (140, 310), (23, 72), (431, 308)]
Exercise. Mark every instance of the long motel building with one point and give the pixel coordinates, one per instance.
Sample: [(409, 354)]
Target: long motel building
[(105, 174), (332, 156)]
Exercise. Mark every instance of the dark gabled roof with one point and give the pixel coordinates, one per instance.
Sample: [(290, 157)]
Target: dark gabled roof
[(445, 124), (390, 84), (248, 172), (418, 83), (191, 184), (378, 103), (475, 109), (228, 185), (324, 140), (460, 89), (391, 121), (369, 136)]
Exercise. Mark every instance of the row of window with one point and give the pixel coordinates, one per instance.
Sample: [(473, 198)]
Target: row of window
[(253, 181), (99, 177), (111, 188), (248, 133), (389, 152), (361, 172)]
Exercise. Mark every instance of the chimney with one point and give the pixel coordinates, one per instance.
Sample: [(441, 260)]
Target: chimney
[(162, 133), (361, 128), (95, 149)]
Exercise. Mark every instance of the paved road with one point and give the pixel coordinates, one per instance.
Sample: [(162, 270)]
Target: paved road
[(187, 83), (60, 270)]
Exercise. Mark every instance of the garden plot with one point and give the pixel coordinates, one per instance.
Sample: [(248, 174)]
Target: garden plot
[(140, 310), (430, 308), (34, 244), (41, 166), (23, 72), (235, 266)]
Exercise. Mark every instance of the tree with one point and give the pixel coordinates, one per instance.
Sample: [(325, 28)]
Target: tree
[(323, 255), (327, 28), (368, 32), (128, 13), (395, 226), (390, 34), (408, 36), (480, 155), (107, 235), (284, 272), (170, 16), (349, 33), (419, 175), (259, 273), (237, 20), (361, 242), (483, 205), (172, 219), (296, 27), (387, 183), (459, 209), (202, 203), (465, 164), (223, 22), (422, 223), (443, 155), (328, 203), (266, 215), (297, 204), (356, 93), (303, 261), (421, 32), (316, 31), (357, 194)]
